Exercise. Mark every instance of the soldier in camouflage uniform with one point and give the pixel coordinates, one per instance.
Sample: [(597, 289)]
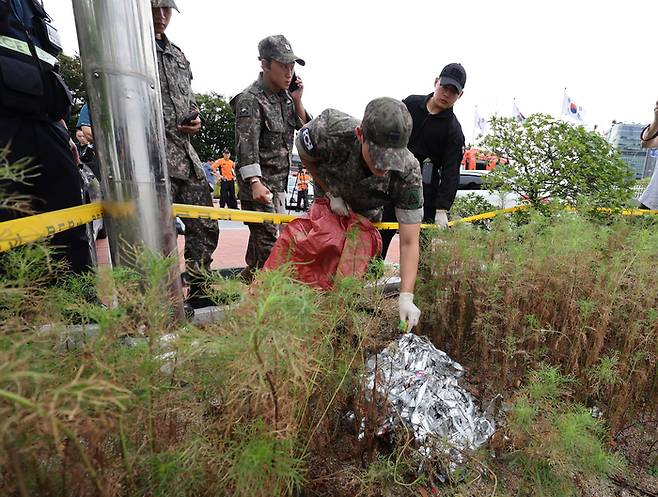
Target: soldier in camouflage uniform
[(363, 165), (188, 181), (267, 115)]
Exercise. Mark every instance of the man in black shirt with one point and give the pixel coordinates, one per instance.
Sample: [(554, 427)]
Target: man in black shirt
[(437, 141)]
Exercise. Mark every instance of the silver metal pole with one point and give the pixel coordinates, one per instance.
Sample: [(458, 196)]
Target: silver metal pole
[(117, 49)]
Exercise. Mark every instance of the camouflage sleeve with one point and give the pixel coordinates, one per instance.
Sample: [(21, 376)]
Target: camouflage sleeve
[(407, 195), (247, 135), (299, 123)]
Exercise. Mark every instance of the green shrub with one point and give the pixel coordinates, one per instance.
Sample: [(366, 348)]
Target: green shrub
[(552, 438)]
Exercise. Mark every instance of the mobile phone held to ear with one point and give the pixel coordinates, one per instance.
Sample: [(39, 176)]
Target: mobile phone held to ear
[(187, 120), (293, 84)]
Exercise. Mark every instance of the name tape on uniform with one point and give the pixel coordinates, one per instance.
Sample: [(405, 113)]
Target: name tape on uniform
[(22, 47)]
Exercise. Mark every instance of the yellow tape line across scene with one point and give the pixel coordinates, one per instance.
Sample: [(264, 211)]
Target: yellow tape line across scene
[(29, 229), (25, 230), (202, 212)]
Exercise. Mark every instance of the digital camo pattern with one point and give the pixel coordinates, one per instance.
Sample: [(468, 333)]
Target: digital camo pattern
[(177, 102), (330, 141), (201, 235), (262, 236), (164, 3), (277, 47), (265, 123)]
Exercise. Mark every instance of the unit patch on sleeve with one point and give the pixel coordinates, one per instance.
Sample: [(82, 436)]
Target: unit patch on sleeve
[(306, 140), (244, 112)]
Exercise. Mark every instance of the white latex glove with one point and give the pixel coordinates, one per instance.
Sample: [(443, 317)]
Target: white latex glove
[(409, 313), (441, 219), (338, 206)]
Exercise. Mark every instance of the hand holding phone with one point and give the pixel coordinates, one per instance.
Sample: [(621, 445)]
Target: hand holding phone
[(187, 120), (293, 83)]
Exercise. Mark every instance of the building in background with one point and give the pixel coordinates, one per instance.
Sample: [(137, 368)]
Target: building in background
[(626, 139)]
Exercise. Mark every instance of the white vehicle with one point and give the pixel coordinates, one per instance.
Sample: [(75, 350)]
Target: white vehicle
[(470, 181)]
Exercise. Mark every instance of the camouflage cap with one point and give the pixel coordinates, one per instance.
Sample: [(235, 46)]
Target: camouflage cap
[(277, 47), (164, 3), (387, 127)]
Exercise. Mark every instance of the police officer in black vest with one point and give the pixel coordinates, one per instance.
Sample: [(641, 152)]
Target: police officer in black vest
[(34, 101)]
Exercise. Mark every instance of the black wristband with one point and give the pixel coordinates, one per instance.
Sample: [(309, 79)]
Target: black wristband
[(647, 139)]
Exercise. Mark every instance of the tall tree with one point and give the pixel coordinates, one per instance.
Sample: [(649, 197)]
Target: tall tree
[(218, 130), (550, 158), (71, 70)]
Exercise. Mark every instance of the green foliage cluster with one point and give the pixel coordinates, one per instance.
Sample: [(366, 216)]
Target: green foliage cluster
[(472, 205), (218, 130), (553, 438), (550, 158), (561, 290), (138, 406), (70, 68), (14, 173)]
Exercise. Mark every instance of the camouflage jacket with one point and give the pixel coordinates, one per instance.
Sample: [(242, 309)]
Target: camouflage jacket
[(265, 124), (329, 141), (177, 102)]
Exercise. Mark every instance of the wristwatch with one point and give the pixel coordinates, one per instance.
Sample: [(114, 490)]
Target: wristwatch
[(254, 179)]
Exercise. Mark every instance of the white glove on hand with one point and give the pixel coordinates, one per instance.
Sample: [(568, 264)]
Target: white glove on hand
[(441, 219), (338, 206), (409, 313)]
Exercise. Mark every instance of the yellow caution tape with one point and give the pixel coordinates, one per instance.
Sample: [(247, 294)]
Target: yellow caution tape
[(203, 212), (29, 229), (487, 215), (25, 230)]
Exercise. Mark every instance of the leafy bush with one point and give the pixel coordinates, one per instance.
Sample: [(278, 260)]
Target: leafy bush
[(552, 438), (472, 205), (550, 158)]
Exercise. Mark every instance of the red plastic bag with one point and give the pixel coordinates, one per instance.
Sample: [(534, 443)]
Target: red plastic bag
[(324, 245)]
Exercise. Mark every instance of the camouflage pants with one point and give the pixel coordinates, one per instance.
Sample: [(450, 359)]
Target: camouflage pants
[(261, 236), (201, 235)]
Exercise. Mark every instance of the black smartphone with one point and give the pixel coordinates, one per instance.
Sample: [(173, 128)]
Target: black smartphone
[(189, 118), (293, 84)]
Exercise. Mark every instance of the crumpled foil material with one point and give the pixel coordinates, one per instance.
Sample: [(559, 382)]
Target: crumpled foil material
[(420, 386)]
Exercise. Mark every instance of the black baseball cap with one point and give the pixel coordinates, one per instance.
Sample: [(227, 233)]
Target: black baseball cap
[(453, 74)]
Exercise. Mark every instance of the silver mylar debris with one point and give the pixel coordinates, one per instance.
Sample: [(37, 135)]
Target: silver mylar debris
[(420, 385)]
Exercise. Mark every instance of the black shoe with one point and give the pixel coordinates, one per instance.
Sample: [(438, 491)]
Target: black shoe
[(199, 302)]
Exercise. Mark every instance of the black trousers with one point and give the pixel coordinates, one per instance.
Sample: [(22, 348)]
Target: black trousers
[(227, 194), (57, 183), (302, 196)]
